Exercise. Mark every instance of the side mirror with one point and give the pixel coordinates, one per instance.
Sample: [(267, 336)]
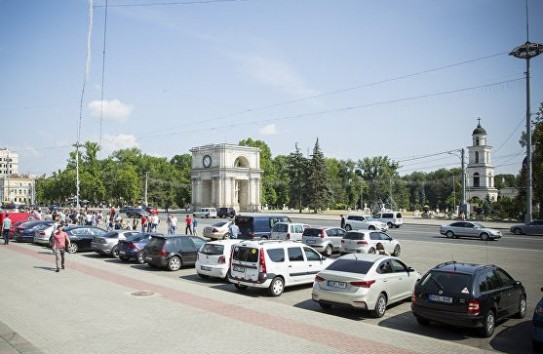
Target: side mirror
[(410, 269)]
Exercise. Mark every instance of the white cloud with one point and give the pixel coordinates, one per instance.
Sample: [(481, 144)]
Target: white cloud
[(269, 129), (111, 143), (114, 110)]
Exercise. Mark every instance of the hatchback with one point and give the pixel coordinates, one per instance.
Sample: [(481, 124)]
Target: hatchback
[(365, 241), (172, 251), (107, 245), (326, 240), (132, 247), (213, 259), (364, 281), (468, 295)]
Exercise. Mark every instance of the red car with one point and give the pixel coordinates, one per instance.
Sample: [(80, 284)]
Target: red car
[(16, 220)]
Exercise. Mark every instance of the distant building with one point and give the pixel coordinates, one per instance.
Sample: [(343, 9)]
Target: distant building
[(17, 189), (9, 162)]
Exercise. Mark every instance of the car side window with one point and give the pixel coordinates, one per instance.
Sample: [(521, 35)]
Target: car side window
[(384, 236), (398, 266), (331, 232), (489, 281), (311, 255), (276, 254), (298, 228), (385, 267), (186, 244), (341, 232), (374, 236), (505, 278), (295, 254), (198, 242)]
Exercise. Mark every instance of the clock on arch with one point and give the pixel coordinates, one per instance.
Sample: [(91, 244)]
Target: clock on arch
[(207, 161)]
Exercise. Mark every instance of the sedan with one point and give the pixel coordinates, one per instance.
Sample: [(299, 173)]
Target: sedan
[(469, 229), (25, 231), (365, 241), (107, 245), (364, 281), (132, 247), (81, 237), (218, 230), (535, 227)]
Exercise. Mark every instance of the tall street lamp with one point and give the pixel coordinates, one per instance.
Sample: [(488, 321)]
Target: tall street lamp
[(528, 51)]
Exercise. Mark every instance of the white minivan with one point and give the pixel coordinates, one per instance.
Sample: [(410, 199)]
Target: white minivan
[(206, 213), (288, 231)]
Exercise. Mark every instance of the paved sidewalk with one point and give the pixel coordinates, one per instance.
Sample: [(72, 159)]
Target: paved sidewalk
[(96, 306)]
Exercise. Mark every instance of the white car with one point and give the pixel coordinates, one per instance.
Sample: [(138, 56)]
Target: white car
[(288, 231), (365, 241), (206, 213), (366, 222), (364, 281), (274, 265), (43, 236), (213, 259)]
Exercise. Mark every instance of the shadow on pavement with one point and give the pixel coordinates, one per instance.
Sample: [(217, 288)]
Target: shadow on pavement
[(52, 269), (520, 331)]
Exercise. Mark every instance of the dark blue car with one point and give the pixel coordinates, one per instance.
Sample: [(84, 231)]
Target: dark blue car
[(132, 247), (25, 231)]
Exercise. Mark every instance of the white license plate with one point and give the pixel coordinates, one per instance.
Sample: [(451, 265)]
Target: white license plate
[(440, 298), (148, 258), (310, 241), (337, 284), (239, 269), (122, 253), (206, 268)]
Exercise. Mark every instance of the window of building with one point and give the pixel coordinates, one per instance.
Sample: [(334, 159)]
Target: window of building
[(476, 180)]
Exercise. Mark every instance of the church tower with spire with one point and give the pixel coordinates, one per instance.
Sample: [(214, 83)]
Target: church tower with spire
[(480, 172)]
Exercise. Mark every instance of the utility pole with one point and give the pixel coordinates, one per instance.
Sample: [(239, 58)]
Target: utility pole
[(77, 145), (464, 204), (145, 192)]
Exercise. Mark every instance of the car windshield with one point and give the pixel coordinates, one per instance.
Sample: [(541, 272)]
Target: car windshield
[(450, 282), (350, 266)]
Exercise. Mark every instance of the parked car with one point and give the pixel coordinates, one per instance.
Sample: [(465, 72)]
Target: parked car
[(206, 213), (17, 218), (365, 241), (226, 212), (535, 227), (258, 226), (218, 230), (134, 212), (364, 281), (326, 240), (81, 237), (132, 247), (172, 251), (537, 326), (274, 265), (107, 245), (366, 222), (43, 235), (468, 295), (469, 229), (24, 231), (288, 231), (391, 218), (213, 259)]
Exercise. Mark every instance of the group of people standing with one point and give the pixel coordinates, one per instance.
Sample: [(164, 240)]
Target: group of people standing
[(191, 224)]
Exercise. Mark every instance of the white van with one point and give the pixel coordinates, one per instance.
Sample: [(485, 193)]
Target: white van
[(288, 231), (206, 213), (391, 218)]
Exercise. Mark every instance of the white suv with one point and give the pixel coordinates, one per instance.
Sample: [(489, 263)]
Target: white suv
[(274, 265), (288, 231), (391, 218), (364, 222)]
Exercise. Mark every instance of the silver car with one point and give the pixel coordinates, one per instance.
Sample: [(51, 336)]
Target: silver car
[(469, 229), (107, 245), (533, 228), (326, 240)]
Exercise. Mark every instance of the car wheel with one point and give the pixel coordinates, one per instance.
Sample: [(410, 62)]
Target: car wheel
[(348, 227), (124, 258), (422, 321), (389, 224), (226, 236), (488, 324), (240, 287), (397, 251), (277, 286), (140, 257), (517, 231), (371, 228), (174, 263), (521, 308), (328, 251), (449, 234), (115, 251), (371, 251), (325, 306), (72, 248), (484, 236), (263, 237), (380, 306)]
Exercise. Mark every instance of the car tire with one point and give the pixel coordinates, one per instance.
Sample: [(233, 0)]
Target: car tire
[(124, 258), (484, 236), (72, 248), (348, 227), (380, 306), (277, 286), (325, 306), (174, 263), (328, 251), (449, 234), (263, 238), (140, 257), (115, 251), (371, 228), (240, 287), (422, 321), (397, 251), (521, 308), (489, 323), (389, 224), (517, 231)]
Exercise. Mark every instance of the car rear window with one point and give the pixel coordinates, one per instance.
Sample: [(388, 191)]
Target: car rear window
[(354, 236), (156, 243), (212, 250), (245, 254), (312, 232), (350, 265), (449, 282)]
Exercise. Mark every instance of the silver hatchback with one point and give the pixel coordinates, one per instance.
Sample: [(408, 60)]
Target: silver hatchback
[(326, 240)]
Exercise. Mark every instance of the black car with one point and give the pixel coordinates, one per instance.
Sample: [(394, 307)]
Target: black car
[(25, 231), (468, 295), (172, 251), (226, 212), (81, 237)]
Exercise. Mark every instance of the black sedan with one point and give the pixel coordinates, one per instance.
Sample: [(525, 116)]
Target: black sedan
[(24, 232), (81, 237)]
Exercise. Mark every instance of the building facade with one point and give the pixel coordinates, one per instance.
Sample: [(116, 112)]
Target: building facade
[(9, 162), (226, 175), (18, 189)]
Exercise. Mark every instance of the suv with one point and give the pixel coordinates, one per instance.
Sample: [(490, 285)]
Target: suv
[(359, 222), (288, 231), (206, 213), (274, 265), (468, 295), (326, 240), (172, 252), (226, 212), (258, 226), (391, 218), (362, 241)]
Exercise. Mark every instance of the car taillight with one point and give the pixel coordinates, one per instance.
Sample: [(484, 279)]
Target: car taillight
[(474, 306), (162, 252), (131, 245), (318, 278), (288, 236), (262, 262), (222, 260), (362, 284), (42, 233), (413, 297), (322, 234), (342, 241), (362, 243)]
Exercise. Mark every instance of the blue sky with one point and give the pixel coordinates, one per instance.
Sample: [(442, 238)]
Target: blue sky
[(402, 79)]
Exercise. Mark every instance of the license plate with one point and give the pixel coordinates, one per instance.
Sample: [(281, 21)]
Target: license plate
[(122, 253), (337, 284), (440, 298), (148, 258), (206, 268), (239, 269), (310, 241)]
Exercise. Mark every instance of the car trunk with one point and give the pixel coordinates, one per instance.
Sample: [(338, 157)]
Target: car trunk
[(446, 291)]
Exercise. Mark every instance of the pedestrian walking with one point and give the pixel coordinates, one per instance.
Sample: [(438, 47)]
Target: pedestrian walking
[(342, 223), (188, 227), (143, 223), (6, 227), (194, 225), (60, 242), (234, 230)]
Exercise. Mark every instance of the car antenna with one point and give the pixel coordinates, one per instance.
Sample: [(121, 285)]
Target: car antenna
[(454, 262)]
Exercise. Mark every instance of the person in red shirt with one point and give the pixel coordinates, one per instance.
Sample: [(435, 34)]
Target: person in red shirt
[(60, 240), (188, 228)]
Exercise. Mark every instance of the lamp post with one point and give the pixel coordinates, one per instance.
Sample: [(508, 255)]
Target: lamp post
[(528, 51)]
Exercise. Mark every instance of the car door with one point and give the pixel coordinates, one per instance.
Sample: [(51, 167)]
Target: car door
[(83, 238), (187, 250), (385, 240), (388, 280), (537, 227), (512, 289), (406, 281), (338, 234), (297, 230), (297, 266), (492, 292)]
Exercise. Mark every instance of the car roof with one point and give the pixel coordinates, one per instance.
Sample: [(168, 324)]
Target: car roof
[(365, 257), (453, 266)]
